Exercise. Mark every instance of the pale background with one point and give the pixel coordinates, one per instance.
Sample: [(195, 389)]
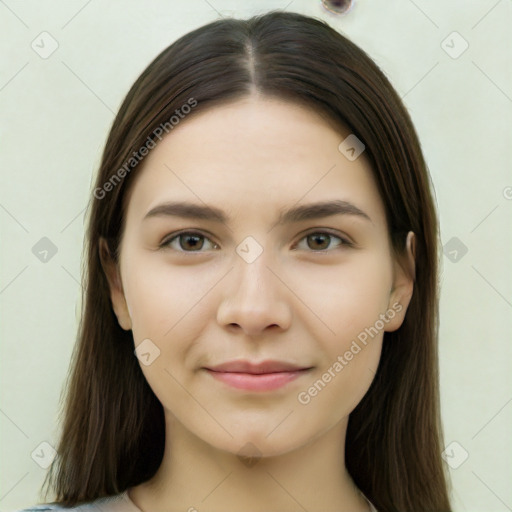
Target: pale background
[(56, 112)]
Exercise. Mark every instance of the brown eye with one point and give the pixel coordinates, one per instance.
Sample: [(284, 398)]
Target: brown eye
[(188, 241), (323, 242), (193, 242), (318, 241)]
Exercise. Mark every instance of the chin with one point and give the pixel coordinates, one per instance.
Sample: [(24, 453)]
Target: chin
[(256, 444)]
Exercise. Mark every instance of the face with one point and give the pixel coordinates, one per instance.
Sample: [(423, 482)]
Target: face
[(208, 299)]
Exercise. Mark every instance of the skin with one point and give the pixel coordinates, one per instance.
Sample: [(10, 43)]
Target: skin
[(298, 301)]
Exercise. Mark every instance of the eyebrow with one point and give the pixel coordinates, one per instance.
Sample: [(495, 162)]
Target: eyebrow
[(310, 211)]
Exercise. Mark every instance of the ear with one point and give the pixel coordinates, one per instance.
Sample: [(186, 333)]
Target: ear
[(404, 273), (111, 270)]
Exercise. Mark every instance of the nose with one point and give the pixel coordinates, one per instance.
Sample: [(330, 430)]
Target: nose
[(255, 298)]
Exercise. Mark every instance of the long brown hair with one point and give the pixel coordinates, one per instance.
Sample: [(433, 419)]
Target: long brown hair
[(113, 428)]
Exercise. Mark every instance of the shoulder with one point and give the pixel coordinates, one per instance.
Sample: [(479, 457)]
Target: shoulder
[(87, 507), (45, 506), (38, 507), (370, 504), (108, 504)]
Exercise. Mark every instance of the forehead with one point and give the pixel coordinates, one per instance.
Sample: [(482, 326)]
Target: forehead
[(253, 155)]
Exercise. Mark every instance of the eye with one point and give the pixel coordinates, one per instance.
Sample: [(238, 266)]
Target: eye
[(192, 241), (318, 241), (187, 241)]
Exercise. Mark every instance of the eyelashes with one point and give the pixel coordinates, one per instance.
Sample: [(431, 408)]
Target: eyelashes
[(194, 235), (317, 236), (177, 241)]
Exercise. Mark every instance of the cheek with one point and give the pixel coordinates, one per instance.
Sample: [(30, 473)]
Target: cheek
[(341, 385), (170, 307), (346, 299), (159, 294), (165, 302), (349, 304), (352, 307)]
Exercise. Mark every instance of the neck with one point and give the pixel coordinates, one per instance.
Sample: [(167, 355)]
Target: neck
[(194, 475)]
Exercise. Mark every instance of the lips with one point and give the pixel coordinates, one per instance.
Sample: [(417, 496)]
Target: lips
[(264, 376), (257, 368)]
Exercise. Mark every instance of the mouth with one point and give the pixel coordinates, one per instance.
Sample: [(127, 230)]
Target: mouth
[(264, 376)]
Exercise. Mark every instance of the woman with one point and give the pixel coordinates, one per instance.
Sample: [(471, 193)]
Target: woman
[(261, 309)]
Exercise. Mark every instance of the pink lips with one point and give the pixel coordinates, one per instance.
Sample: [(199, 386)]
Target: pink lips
[(264, 376)]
